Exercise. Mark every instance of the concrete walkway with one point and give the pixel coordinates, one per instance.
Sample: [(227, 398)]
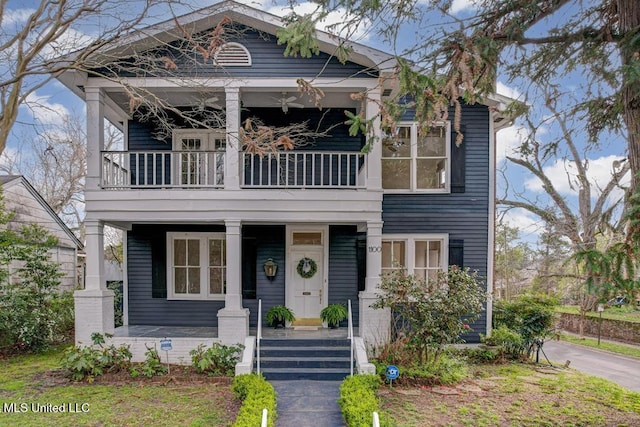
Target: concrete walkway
[(307, 403), (623, 370)]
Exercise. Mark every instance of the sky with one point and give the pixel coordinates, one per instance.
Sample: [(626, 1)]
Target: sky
[(47, 107)]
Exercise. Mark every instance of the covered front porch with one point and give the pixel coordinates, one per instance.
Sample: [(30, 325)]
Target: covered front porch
[(223, 307)]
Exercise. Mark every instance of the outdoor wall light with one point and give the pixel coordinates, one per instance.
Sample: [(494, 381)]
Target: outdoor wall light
[(270, 269)]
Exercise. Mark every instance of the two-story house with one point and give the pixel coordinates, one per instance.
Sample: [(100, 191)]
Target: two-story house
[(206, 221)]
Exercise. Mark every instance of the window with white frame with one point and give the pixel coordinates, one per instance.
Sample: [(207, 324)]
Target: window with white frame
[(417, 162), (196, 265), (423, 255), (200, 159)]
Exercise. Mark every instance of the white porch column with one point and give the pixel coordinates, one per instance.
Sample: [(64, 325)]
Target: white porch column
[(374, 323), (232, 153), (94, 304), (95, 136), (233, 320), (374, 158)]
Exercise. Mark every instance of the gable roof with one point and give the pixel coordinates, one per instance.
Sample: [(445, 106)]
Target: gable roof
[(207, 18), (8, 181)]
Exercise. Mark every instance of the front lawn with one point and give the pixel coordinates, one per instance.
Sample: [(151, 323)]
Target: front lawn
[(514, 395), (35, 385)]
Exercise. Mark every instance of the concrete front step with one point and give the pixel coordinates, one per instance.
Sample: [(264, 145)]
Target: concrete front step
[(321, 359), (318, 374)]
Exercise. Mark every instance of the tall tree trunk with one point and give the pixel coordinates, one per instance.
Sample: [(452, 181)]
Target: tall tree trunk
[(628, 12)]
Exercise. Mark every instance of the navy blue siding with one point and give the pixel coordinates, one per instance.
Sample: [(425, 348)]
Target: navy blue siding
[(464, 216), (270, 242), (343, 267), (146, 310), (268, 60)]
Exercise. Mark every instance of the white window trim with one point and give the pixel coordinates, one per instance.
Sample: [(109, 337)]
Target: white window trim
[(204, 267), (208, 136), (413, 179), (410, 247)]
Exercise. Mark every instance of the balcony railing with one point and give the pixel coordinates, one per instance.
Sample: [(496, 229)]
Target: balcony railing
[(205, 169), (305, 169), (162, 169)]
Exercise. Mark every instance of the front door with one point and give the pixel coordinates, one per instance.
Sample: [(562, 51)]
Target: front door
[(306, 284)]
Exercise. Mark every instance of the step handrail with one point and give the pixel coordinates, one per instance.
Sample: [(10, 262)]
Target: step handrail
[(259, 336), (350, 336)]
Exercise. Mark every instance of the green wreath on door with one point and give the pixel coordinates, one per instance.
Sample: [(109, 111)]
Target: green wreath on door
[(307, 268)]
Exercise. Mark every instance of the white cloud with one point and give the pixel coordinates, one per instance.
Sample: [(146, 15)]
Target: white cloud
[(528, 224), (507, 141), (335, 17), (16, 16), (563, 175), (462, 6), (44, 111), (505, 90)]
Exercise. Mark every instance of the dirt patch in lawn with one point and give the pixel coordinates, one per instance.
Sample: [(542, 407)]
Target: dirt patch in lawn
[(216, 389), (538, 398)]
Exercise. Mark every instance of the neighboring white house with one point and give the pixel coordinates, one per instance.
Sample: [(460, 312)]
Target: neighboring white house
[(29, 207)]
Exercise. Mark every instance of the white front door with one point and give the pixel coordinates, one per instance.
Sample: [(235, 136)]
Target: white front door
[(306, 284)]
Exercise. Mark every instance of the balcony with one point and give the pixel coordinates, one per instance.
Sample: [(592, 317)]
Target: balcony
[(162, 169), (123, 170)]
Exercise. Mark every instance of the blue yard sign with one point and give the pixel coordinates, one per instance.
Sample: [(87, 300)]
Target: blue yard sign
[(165, 344)]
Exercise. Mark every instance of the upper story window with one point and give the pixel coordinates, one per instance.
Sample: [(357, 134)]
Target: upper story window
[(196, 265), (413, 162), (232, 55), (201, 157), (423, 255)]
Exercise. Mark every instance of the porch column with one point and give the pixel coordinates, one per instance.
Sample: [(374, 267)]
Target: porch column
[(374, 158), (232, 153), (374, 323), (95, 136), (94, 304), (233, 320)]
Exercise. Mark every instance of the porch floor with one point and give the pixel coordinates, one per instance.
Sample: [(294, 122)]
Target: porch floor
[(150, 331)]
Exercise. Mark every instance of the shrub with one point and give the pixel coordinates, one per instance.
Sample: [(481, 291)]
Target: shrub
[(531, 316), (219, 359), (358, 401), (435, 314), (447, 369), (256, 394), (151, 367), (510, 343), (30, 297), (90, 361)]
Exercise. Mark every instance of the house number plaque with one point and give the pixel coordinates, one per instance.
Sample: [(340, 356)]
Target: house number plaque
[(375, 248)]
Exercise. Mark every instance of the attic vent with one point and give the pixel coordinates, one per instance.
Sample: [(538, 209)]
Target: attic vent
[(232, 55), (386, 92)]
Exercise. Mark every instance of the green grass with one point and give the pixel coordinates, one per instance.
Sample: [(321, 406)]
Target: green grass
[(619, 348), (626, 313), (519, 395), (135, 404)]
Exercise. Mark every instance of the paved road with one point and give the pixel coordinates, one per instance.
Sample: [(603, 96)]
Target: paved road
[(620, 369)]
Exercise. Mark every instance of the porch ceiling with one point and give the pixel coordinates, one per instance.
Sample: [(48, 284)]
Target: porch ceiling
[(250, 98)]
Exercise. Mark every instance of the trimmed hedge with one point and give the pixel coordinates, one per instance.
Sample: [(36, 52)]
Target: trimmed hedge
[(256, 394), (358, 401)]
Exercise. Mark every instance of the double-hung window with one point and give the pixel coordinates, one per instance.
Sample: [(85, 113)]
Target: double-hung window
[(413, 161), (200, 160), (423, 255), (196, 265)]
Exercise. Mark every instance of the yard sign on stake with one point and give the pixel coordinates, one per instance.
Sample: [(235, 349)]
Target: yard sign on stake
[(165, 344)]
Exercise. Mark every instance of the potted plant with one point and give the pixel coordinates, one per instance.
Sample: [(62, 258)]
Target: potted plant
[(333, 314), (278, 315)]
